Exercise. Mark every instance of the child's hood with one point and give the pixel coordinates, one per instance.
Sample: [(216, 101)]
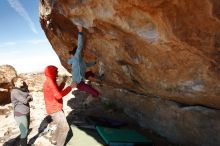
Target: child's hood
[(51, 71)]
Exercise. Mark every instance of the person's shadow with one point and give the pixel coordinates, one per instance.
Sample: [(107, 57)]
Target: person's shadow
[(13, 142), (41, 129), (77, 117), (76, 104)]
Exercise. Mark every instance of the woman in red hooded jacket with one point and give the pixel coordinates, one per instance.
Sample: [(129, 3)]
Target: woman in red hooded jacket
[(53, 95)]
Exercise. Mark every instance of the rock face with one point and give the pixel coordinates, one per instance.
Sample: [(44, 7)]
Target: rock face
[(185, 125), (166, 49), (7, 73)]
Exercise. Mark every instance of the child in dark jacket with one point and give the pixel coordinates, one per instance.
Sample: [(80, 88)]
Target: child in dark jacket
[(20, 99)]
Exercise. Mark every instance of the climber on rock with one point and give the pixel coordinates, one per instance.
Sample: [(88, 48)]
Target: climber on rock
[(78, 64)]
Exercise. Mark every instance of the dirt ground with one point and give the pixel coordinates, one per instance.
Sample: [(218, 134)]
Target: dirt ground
[(78, 118), (82, 131)]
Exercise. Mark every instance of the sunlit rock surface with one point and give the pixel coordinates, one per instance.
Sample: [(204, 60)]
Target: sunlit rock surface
[(7, 73), (166, 49)]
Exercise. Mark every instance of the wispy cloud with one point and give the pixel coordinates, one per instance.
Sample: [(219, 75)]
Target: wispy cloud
[(17, 6)]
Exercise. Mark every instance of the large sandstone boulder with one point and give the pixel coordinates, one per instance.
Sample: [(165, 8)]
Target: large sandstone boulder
[(167, 49), (7, 73)]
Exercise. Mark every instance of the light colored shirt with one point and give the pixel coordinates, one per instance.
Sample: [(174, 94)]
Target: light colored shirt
[(77, 62)]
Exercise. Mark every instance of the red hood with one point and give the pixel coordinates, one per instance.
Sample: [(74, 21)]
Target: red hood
[(51, 71)]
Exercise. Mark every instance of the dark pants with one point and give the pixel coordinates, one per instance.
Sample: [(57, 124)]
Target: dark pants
[(87, 88)]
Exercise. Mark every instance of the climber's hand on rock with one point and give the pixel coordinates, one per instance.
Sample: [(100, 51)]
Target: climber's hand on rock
[(80, 28)]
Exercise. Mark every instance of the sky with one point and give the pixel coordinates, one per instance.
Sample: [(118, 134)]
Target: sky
[(23, 43)]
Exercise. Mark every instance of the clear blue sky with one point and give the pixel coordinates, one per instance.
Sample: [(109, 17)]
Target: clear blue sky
[(23, 43)]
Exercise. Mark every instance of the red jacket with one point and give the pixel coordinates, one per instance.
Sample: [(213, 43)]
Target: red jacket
[(52, 92)]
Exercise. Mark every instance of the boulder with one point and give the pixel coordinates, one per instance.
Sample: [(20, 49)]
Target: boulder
[(7, 73), (168, 50)]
